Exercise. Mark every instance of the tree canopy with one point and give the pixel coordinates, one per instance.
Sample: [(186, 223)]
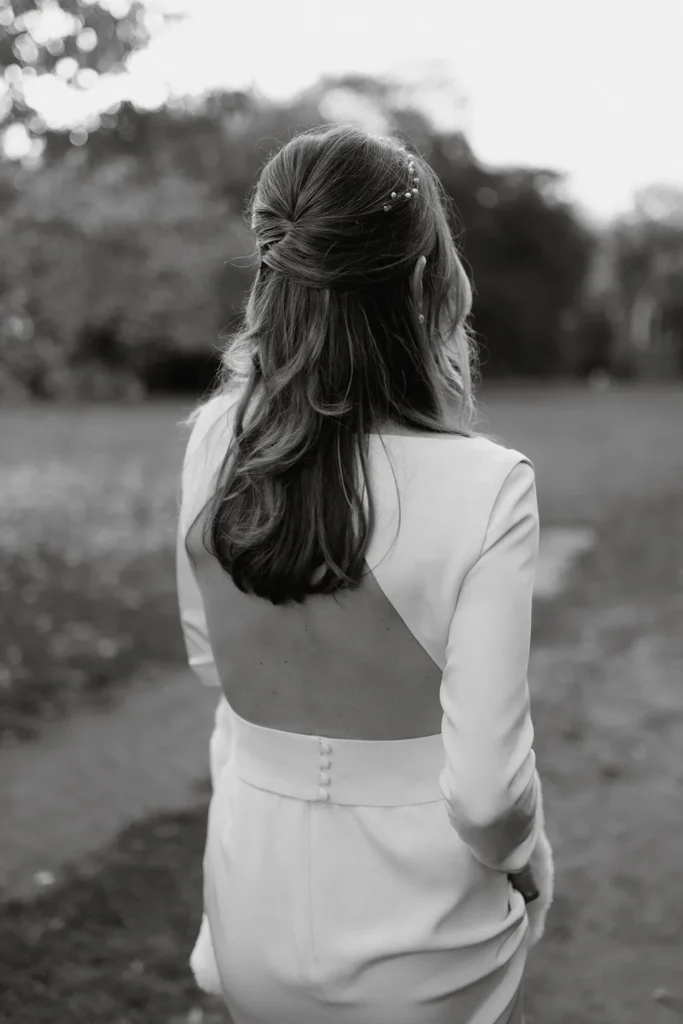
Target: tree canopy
[(135, 244), (75, 41)]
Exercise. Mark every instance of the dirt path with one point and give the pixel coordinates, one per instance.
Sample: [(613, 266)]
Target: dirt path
[(71, 792), (559, 549), (609, 741)]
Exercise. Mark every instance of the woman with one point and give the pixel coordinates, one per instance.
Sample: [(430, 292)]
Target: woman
[(355, 571)]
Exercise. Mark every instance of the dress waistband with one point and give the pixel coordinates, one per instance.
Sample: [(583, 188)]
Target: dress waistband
[(382, 773)]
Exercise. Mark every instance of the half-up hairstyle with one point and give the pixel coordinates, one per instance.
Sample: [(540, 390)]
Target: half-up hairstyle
[(333, 348)]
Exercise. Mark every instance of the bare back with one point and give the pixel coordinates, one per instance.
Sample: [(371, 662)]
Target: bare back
[(364, 663)]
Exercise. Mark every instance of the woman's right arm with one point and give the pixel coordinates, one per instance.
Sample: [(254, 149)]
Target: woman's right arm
[(489, 782), (190, 603)]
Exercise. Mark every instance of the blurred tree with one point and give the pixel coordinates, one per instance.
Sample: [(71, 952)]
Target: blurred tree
[(134, 249), (221, 140), (72, 40), (661, 204), (528, 251), (647, 248), (104, 269)]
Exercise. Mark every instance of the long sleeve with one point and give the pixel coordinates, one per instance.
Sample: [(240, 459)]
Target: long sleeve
[(191, 606), (200, 656), (200, 660), (489, 782), (192, 617)]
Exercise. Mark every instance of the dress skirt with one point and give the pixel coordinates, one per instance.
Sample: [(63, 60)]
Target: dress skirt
[(337, 892)]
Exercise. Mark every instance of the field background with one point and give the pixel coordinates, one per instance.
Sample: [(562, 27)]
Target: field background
[(88, 499)]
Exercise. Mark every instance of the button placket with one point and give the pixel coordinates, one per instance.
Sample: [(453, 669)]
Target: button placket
[(325, 763)]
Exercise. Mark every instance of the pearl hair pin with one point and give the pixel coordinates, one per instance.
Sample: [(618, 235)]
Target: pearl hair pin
[(406, 195)]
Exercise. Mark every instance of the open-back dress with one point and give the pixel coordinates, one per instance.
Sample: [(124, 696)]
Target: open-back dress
[(373, 774)]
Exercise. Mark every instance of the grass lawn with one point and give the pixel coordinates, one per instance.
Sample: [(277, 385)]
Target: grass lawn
[(88, 505), (111, 943)]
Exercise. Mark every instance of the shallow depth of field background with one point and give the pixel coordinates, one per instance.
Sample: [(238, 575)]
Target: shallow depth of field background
[(124, 259)]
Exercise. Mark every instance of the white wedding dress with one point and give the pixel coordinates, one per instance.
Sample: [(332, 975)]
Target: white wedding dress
[(373, 773)]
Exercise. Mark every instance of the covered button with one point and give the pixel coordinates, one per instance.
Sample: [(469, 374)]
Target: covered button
[(323, 794)]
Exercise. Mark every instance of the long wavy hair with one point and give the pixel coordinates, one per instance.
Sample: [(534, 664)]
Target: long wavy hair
[(331, 349)]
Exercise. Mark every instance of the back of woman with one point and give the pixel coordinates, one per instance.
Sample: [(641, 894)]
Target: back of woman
[(355, 572)]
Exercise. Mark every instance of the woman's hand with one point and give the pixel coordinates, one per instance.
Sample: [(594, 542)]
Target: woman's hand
[(536, 882), (524, 881)]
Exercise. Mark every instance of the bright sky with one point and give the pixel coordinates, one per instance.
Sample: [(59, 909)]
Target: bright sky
[(590, 87)]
